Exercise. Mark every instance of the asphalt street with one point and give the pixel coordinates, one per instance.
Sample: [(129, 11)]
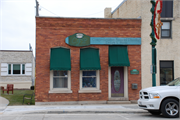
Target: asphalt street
[(96, 116)]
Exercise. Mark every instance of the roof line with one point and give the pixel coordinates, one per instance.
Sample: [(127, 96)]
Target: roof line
[(118, 6), (16, 51), (81, 17)]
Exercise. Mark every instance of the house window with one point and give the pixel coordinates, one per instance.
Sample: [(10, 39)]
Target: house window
[(167, 9), (23, 68), (9, 68), (166, 29), (16, 69), (89, 81), (60, 81), (166, 72)]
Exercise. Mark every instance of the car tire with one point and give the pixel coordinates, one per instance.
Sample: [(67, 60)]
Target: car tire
[(170, 108), (154, 112)]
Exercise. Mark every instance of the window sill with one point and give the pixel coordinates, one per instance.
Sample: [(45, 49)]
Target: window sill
[(166, 38), (89, 91), (60, 91), (16, 75), (168, 19)]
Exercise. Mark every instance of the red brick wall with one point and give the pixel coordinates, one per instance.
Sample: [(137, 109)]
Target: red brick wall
[(134, 53), (51, 32)]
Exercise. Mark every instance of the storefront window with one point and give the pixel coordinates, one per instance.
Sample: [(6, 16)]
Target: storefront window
[(89, 79), (60, 79), (166, 72)]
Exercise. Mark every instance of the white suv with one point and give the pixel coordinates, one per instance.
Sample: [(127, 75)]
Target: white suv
[(161, 99)]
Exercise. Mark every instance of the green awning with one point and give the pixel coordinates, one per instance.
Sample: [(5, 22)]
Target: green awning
[(89, 59), (118, 56), (60, 59)]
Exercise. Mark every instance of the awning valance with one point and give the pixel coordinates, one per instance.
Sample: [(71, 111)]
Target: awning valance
[(89, 59), (60, 59), (118, 56)]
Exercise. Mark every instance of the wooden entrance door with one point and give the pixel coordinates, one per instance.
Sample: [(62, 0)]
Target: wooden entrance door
[(117, 81)]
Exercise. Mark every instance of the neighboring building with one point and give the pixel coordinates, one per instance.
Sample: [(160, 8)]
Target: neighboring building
[(168, 55), (18, 68), (87, 60)]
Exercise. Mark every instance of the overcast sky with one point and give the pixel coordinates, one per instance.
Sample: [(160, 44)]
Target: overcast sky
[(17, 17)]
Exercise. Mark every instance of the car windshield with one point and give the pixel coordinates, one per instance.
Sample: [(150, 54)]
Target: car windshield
[(175, 82)]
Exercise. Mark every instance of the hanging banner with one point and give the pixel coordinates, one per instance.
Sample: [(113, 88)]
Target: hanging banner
[(157, 15)]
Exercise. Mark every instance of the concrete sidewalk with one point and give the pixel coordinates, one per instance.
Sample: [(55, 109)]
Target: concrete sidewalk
[(63, 109), (3, 103)]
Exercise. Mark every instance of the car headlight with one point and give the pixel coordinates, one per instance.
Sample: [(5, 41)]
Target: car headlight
[(154, 95)]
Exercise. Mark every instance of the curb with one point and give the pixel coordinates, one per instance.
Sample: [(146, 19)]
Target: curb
[(82, 112)]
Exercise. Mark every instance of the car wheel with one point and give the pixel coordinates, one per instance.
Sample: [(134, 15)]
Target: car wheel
[(154, 112), (170, 108)]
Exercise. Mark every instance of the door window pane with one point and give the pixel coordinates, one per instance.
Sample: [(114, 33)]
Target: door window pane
[(16, 69), (166, 72), (117, 80)]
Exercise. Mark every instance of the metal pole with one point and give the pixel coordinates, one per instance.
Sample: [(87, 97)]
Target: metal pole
[(153, 43), (37, 8), (154, 66)]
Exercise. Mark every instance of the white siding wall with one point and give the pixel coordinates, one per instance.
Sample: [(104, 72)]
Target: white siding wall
[(17, 57)]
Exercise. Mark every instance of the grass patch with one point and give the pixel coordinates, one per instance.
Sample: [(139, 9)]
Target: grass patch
[(17, 97)]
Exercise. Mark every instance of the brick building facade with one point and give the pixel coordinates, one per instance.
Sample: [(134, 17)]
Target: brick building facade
[(51, 34)]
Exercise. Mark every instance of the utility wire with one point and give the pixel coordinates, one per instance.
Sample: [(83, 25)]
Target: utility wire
[(83, 15), (96, 13), (93, 13), (48, 10)]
